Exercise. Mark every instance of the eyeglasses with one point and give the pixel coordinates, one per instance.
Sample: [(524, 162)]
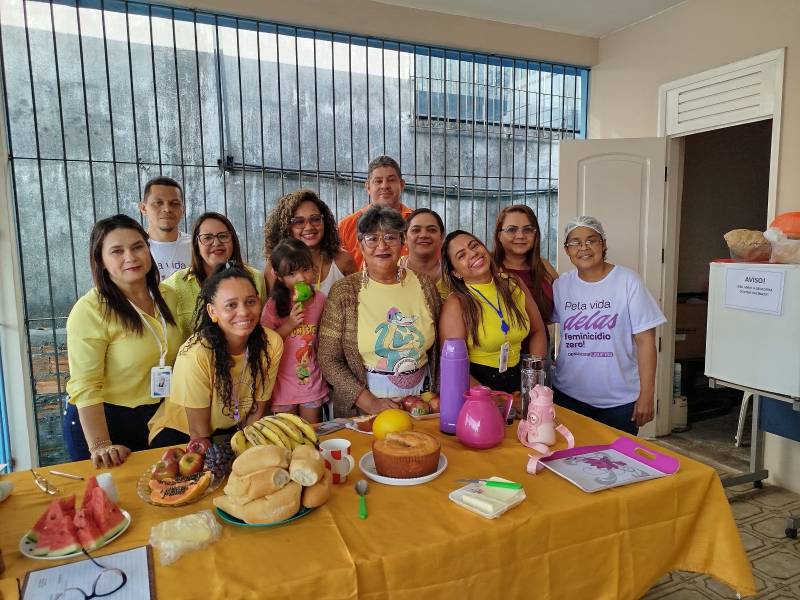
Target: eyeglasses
[(107, 582), (300, 222), (528, 230), (589, 243), (371, 240), (44, 485), (208, 238)]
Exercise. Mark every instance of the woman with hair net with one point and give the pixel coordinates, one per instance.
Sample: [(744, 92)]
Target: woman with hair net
[(606, 364)]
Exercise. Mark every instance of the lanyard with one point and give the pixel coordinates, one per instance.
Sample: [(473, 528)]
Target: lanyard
[(498, 309), (162, 348), (239, 388)]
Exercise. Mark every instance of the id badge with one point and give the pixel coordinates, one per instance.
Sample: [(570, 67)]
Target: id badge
[(160, 381), (504, 357)]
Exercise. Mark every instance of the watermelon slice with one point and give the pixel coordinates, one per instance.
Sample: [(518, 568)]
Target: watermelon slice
[(106, 516), (58, 536), (66, 505), (89, 535)]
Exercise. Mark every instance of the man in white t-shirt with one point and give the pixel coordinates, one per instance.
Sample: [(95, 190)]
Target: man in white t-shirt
[(606, 361), (164, 208)]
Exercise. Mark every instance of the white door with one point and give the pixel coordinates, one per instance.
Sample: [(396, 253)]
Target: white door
[(621, 182)]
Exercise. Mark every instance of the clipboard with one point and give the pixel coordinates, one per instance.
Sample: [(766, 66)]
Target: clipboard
[(50, 580)]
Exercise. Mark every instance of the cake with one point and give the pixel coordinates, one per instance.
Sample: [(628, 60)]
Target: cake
[(406, 454), (364, 423)]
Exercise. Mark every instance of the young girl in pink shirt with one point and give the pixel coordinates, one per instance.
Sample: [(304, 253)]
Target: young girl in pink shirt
[(299, 388)]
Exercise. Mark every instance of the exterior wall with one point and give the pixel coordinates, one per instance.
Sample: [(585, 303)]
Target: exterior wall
[(367, 17)]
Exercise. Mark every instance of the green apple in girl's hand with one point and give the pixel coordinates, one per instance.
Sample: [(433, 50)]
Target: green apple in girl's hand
[(302, 292)]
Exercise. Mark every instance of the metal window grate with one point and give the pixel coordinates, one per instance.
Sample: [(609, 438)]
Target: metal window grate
[(101, 95)]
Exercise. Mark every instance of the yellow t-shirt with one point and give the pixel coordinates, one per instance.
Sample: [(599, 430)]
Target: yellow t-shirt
[(490, 335), (193, 386), (395, 328), (442, 288), (187, 289), (108, 364)]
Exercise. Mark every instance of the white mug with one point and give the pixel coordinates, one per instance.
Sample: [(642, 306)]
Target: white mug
[(337, 457)]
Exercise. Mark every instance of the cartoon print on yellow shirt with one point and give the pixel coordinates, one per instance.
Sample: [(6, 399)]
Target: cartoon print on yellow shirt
[(399, 343)]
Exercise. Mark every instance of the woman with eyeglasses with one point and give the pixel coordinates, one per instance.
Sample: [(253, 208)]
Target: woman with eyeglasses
[(377, 338), (517, 250), (214, 242), (424, 234), (606, 364), (303, 216), (122, 338), (492, 311)]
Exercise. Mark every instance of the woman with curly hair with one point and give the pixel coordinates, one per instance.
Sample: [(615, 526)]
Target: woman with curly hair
[(492, 311), (303, 216), (225, 372)]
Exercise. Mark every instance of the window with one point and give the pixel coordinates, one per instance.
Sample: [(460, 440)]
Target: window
[(102, 95)]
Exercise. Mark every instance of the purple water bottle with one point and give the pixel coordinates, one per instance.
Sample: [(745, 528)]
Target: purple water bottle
[(453, 383)]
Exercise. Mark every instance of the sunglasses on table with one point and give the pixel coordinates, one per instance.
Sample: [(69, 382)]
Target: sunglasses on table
[(107, 582), (300, 222)]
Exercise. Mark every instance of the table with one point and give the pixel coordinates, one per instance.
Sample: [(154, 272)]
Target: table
[(416, 543)]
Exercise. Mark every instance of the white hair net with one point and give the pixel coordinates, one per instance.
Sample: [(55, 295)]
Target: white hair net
[(583, 221)]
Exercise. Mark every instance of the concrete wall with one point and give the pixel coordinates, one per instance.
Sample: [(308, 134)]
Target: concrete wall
[(725, 182)]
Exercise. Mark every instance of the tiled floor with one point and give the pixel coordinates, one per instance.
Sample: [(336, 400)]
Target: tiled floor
[(761, 518)]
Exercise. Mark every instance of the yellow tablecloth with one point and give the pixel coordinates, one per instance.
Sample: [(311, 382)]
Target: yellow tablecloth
[(416, 543)]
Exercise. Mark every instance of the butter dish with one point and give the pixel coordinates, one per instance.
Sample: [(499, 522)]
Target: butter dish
[(488, 502)]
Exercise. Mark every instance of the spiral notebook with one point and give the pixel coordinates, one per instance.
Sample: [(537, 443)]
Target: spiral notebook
[(596, 468)]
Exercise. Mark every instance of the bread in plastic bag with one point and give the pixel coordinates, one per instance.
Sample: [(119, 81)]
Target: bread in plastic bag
[(785, 250), (746, 244), (174, 538)]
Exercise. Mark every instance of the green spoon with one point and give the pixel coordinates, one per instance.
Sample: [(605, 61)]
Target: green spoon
[(362, 489)]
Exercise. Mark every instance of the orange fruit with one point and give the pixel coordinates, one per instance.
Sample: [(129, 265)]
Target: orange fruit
[(391, 420)]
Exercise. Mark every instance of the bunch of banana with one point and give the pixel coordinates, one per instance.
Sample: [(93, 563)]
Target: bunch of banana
[(285, 430)]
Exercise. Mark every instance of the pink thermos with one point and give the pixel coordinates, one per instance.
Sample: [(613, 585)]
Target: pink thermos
[(453, 383)]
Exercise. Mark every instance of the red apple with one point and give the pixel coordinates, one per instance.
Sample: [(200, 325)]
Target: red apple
[(190, 463), (173, 455), (199, 445), (419, 408), (434, 403), (409, 401), (164, 470)]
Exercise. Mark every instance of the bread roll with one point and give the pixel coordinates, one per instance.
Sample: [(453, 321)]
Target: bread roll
[(307, 471), (261, 457), (318, 494), (306, 451), (256, 484), (273, 508)]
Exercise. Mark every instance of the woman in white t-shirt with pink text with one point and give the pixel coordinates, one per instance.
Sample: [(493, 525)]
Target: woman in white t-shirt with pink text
[(606, 364)]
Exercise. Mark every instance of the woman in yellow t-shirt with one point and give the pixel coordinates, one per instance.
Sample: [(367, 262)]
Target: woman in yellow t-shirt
[(122, 339), (225, 372), (214, 242), (493, 312)]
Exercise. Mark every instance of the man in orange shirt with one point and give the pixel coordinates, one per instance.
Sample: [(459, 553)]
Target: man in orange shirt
[(385, 186)]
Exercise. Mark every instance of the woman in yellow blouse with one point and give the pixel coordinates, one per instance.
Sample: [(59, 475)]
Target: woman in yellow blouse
[(225, 372), (122, 340), (494, 312), (214, 242)]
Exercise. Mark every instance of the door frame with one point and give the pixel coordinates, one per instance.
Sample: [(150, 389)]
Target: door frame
[(672, 215)]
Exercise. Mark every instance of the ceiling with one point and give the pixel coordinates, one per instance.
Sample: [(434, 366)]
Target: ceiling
[(592, 18)]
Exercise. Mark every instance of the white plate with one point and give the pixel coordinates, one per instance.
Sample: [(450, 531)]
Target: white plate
[(367, 466), (425, 417), (354, 427), (26, 546)]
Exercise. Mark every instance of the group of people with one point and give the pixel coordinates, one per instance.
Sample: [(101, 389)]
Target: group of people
[(181, 339)]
